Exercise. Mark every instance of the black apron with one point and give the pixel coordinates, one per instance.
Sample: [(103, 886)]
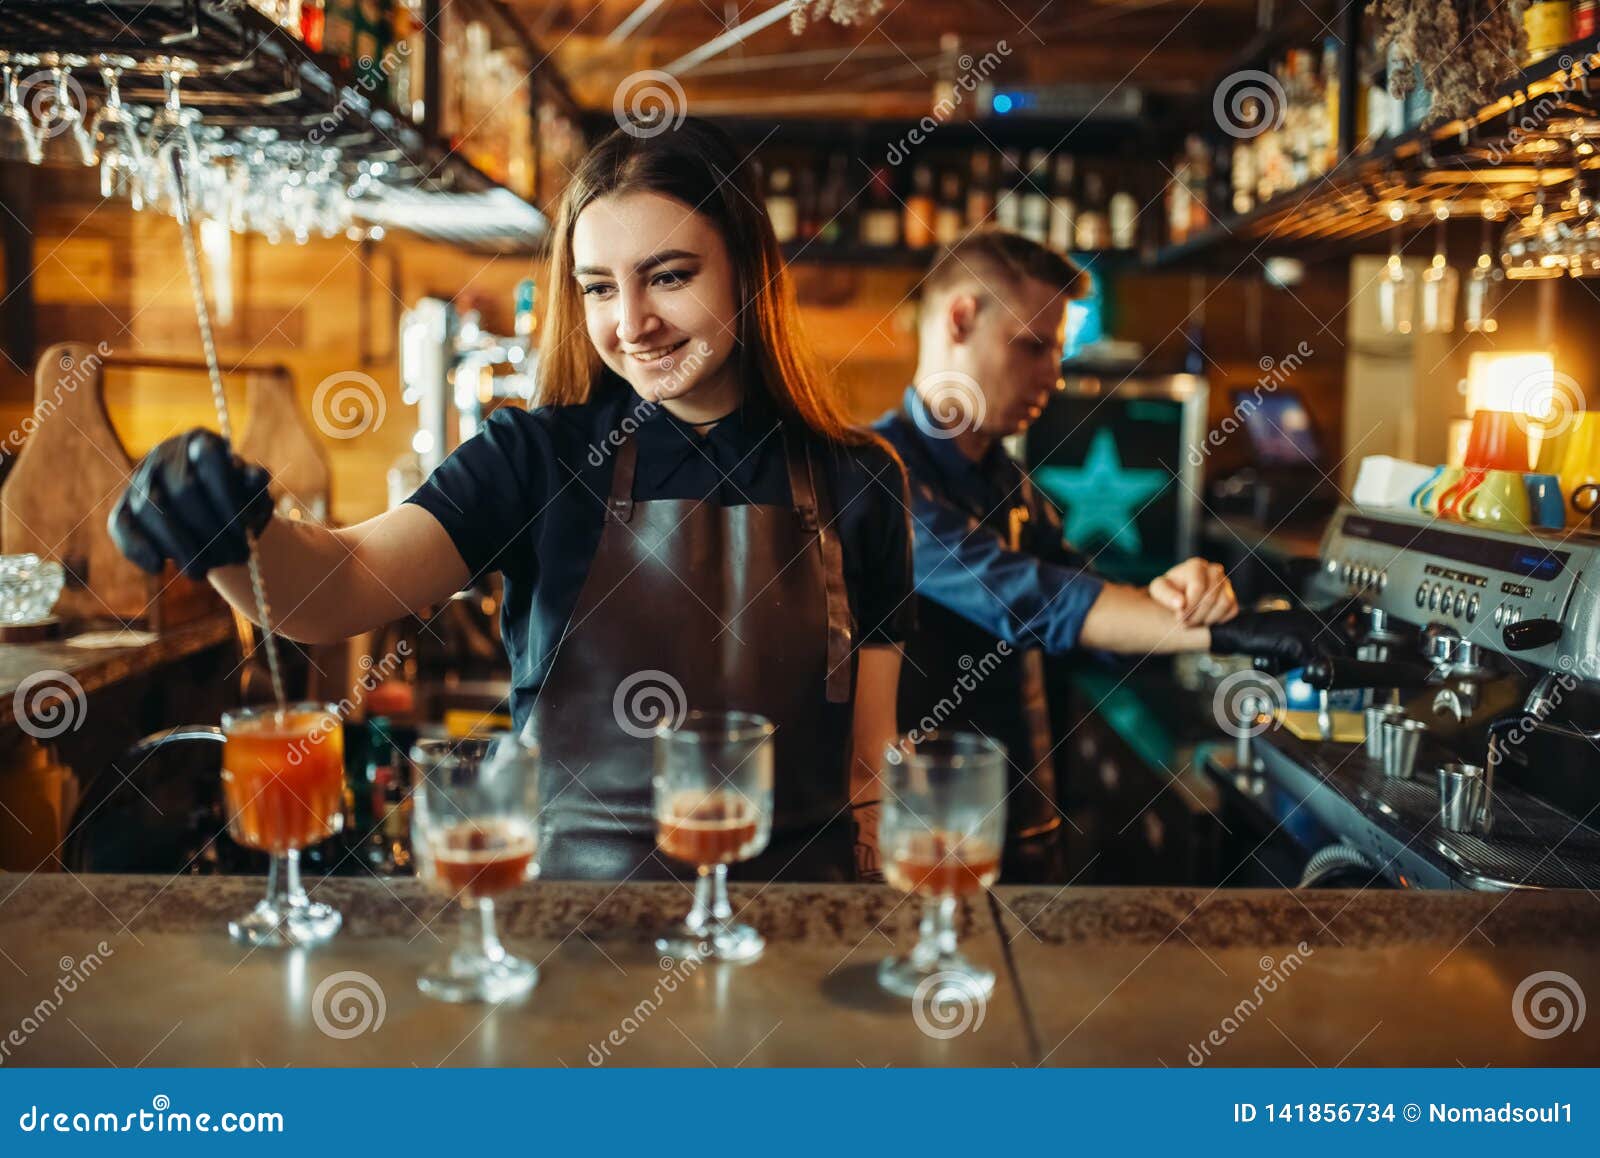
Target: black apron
[(742, 607)]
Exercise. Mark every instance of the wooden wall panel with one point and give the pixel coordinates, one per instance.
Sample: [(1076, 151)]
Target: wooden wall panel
[(330, 307)]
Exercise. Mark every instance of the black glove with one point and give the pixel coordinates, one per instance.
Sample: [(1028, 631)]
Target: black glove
[(191, 500), (1290, 639)]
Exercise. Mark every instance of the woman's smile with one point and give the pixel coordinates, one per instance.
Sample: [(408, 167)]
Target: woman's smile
[(657, 354)]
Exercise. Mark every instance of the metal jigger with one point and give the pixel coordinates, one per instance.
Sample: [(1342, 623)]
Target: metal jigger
[(1401, 738), (1376, 715), (1464, 798)]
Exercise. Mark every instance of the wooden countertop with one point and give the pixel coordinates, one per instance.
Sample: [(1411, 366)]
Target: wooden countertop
[(1086, 976), (97, 667)]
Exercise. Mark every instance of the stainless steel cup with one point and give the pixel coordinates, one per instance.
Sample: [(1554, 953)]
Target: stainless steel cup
[(1401, 738), (1463, 798), (1376, 715)]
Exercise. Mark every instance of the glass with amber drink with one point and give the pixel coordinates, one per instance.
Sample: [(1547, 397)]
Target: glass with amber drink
[(941, 827), (713, 807), (474, 828), (283, 785)]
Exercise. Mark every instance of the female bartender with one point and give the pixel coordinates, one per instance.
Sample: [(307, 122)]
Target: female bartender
[(688, 507)]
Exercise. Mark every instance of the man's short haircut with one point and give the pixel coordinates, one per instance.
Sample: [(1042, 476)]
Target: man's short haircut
[(1000, 260)]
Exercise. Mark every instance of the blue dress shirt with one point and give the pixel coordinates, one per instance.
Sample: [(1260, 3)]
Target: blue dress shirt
[(986, 544)]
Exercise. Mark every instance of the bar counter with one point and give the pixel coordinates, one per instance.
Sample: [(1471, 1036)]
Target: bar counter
[(1133, 976)]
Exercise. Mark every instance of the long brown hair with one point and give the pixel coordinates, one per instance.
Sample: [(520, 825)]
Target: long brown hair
[(696, 163)]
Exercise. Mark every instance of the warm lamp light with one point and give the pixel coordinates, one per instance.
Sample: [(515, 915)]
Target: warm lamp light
[(1524, 382)]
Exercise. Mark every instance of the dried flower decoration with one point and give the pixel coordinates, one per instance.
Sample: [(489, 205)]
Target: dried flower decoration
[(1465, 49), (838, 11)]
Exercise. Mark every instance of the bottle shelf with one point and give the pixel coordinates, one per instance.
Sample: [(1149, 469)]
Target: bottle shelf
[(1467, 162)]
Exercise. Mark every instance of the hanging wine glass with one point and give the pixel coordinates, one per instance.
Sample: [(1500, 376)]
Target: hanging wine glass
[(253, 201), (115, 130), (1397, 287), (1525, 248), (1483, 283), (172, 125), (18, 139), (58, 108), (1440, 282)]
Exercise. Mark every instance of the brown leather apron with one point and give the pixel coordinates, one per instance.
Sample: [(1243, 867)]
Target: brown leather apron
[(741, 607)]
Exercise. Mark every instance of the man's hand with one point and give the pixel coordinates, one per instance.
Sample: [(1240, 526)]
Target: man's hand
[(1198, 592)]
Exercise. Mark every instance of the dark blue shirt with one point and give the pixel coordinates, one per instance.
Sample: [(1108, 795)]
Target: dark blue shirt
[(1035, 594), (526, 496)]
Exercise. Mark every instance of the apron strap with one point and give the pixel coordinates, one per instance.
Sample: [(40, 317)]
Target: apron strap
[(620, 505), (818, 519)]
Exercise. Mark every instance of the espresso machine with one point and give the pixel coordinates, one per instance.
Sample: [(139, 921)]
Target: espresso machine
[(1484, 647)]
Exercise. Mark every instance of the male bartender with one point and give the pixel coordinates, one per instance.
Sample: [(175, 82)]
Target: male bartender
[(998, 587)]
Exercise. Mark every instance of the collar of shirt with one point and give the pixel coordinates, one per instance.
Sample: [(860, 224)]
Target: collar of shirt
[(733, 448), (987, 481)]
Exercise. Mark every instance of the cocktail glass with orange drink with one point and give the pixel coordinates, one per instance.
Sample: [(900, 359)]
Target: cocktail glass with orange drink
[(713, 807), (940, 831), (474, 823), (283, 785)]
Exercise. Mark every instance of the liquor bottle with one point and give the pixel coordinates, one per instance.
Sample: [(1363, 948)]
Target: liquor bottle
[(880, 220), (525, 321), (980, 189), (1548, 24), (1180, 189), (1063, 204), (1124, 217), (387, 838), (920, 209), (781, 208), (1034, 214), (1200, 185), (1332, 89), (312, 13), (1093, 229), (832, 210), (340, 21), (948, 219), (372, 790), (807, 196), (1008, 198), (1584, 23)]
